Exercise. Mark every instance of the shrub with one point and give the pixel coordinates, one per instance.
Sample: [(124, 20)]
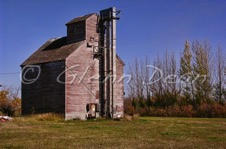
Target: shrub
[(128, 108), (10, 104), (173, 111), (182, 109), (6, 108), (144, 111), (211, 110), (204, 110), (218, 110), (158, 112), (187, 111)]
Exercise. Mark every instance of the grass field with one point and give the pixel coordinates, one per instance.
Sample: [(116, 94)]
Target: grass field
[(146, 132)]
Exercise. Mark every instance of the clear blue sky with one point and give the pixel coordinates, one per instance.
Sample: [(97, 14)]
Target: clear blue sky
[(146, 27)]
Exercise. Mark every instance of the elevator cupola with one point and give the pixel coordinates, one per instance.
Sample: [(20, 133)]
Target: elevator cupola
[(82, 28)]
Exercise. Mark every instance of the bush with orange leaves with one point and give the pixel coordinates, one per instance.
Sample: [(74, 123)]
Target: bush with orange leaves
[(10, 103), (205, 109), (210, 110), (128, 108)]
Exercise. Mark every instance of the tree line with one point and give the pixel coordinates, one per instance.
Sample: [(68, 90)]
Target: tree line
[(193, 87)]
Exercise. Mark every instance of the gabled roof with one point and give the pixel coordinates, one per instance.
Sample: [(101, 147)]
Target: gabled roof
[(57, 49), (78, 19), (53, 50)]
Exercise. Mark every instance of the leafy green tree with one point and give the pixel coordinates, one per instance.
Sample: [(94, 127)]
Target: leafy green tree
[(202, 71), (186, 73)]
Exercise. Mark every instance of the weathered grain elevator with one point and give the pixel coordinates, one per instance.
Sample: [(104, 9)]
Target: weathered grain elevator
[(80, 75)]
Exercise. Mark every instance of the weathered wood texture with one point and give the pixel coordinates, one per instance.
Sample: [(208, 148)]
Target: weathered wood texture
[(79, 76), (82, 79), (81, 89), (92, 29), (83, 30), (119, 89), (76, 32), (45, 94)]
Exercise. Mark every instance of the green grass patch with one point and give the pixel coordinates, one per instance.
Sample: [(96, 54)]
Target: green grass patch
[(145, 132)]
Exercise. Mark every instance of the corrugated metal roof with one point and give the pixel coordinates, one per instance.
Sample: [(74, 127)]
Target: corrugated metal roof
[(52, 50), (78, 19)]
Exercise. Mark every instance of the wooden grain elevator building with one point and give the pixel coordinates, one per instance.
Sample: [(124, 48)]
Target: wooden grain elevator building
[(63, 75)]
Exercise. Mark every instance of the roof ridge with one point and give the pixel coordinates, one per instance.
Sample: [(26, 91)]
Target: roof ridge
[(57, 54), (80, 18)]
